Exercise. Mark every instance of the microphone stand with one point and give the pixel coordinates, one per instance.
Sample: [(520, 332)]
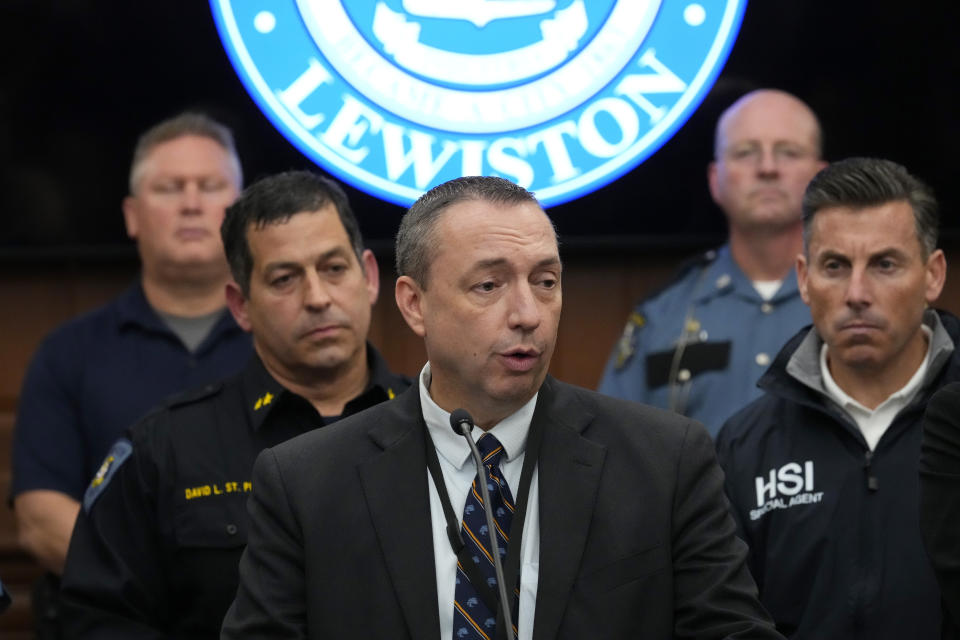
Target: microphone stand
[(462, 423)]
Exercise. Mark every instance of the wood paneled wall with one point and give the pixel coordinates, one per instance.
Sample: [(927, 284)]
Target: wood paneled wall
[(598, 292)]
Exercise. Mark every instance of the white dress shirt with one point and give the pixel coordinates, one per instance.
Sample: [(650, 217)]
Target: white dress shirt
[(458, 472), (873, 424)]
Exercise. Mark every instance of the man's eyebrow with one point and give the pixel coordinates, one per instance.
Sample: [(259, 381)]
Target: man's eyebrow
[(831, 254), (281, 264), (499, 262), (335, 252), (552, 261), (489, 263), (894, 252)]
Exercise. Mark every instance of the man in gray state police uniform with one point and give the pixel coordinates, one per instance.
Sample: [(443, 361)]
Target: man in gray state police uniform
[(699, 345)]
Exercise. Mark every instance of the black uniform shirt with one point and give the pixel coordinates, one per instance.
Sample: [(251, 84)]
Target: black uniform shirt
[(155, 550)]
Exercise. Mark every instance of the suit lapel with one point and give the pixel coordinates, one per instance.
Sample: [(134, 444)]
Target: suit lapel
[(396, 491), (569, 470)]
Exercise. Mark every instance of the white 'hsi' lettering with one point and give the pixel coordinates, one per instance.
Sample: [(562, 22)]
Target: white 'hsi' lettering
[(788, 480)]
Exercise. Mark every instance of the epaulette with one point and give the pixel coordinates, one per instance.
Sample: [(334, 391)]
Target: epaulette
[(699, 261), (193, 395)]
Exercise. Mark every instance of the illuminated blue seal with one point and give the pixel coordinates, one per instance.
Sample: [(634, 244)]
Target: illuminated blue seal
[(559, 96)]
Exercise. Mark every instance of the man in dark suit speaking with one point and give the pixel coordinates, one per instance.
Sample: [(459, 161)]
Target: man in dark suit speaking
[(610, 516)]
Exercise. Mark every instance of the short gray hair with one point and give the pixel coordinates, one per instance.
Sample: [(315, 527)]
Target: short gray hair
[(415, 239), (869, 182), (186, 124)]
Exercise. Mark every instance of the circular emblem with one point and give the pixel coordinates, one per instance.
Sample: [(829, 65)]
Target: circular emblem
[(559, 96)]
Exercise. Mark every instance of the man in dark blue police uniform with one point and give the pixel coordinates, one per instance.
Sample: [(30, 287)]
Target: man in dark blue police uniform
[(157, 543), (699, 345), (92, 377)]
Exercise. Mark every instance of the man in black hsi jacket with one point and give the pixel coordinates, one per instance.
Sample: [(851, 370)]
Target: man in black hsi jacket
[(822, 470)]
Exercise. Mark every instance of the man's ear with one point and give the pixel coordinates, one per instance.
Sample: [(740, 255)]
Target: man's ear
[(802, 277), (410, 301), (371, 273), (936, 275), (237, 303), (712, 181), (130, 219)]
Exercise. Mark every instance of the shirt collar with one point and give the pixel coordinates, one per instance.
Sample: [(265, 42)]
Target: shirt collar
[(133, 309), (903, 396), (512, 431)]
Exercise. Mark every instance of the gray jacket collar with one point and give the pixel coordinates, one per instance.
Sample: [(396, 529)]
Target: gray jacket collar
[(804, 364)]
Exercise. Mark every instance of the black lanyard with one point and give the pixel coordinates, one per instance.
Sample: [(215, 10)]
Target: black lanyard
[(512, 566)]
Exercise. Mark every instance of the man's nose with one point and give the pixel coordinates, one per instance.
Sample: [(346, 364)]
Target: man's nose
[(190, 198), (859, 290), (525, 313), (317, 294), (767, 162)]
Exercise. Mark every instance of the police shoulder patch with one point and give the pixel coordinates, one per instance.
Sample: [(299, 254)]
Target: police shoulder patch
[(627, 346), (117, 455)]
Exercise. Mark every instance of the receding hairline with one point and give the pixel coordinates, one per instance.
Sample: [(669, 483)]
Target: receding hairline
[(750, 99), (441, 213), (138, 168)]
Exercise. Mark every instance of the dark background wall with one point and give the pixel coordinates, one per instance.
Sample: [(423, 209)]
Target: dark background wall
[(81, 78)]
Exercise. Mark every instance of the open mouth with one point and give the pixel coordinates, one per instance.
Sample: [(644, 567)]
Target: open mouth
[(520, 360)]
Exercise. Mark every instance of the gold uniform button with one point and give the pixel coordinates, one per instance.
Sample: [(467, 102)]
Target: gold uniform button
[(762, 359), (683, 375), (766, 307)]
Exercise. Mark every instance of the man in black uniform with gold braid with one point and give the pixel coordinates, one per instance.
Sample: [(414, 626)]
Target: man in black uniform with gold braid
[(156, 547)]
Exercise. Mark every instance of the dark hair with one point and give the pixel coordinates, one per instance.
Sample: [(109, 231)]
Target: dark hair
[(415, 238), (870, 182), (185, 124), (274, 200)]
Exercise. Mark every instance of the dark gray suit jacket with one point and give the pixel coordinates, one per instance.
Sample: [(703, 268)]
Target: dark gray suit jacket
[(635, 537)]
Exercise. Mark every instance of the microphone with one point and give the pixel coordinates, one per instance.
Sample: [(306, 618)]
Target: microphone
[(462, 424)]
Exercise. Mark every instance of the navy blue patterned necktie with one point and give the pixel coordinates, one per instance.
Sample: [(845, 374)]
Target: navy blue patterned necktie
[(472, 619)]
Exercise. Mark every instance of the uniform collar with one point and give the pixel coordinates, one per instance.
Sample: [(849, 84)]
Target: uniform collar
[(723, 276), (382, 379), (263, 395)]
